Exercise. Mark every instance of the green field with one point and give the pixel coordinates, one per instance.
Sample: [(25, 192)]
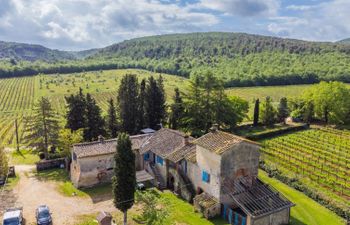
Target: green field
[(306, 211), (318, 158), (18, 95)]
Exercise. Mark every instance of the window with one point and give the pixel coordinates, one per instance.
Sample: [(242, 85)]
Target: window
[(146, 156), (205, 177), (159, 160)]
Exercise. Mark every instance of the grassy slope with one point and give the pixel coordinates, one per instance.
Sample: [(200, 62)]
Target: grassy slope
[(306, 211)]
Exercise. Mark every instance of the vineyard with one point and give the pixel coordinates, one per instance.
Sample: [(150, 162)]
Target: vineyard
[(18, 95), (320, 156)]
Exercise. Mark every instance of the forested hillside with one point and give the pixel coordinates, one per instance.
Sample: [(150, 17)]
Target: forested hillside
[(28, 52), (240, 59)]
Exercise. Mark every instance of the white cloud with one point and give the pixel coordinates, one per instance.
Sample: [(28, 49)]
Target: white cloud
[(85, 24), (327, 21), (243, 7)]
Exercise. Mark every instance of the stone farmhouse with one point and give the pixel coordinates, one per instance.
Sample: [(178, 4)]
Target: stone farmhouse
[(216, 172)]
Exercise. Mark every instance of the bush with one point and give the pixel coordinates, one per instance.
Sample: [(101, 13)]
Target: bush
[(41, 155)]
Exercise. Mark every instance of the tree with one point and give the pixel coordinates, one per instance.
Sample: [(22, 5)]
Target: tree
[(177, 111), (283, 111), (142, 103), (155, 102), (331, 101), (95, 125), (66, 138), (112, 124), (124, 179), (3, 162), (43, 126), (207, 103), (256, 113), (76, 116), (152, 214), (194, 119), (128, 103), (267, 112)]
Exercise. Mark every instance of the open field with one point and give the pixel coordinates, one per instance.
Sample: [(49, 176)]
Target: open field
[(318, 158)]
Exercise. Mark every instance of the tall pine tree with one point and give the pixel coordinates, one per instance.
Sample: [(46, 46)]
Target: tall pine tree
[(128, 103), (177, 111), (94, 121), (76, 117), (142, 102), (42, 127), (155, 102), (124, 179), (112, 124)]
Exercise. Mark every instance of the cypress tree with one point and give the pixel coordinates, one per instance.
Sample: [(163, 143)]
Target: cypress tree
[(76, 117), (177, 111), (128, 104), (112, 124), (283, 111), (124, 179), (256, 113), (94, 121)]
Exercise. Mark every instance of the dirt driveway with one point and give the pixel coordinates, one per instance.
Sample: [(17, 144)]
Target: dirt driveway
[(31, 192)]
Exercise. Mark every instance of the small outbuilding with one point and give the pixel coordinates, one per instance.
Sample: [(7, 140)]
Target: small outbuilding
[(104, 218)]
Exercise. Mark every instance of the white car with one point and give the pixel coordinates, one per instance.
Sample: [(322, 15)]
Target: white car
[(13, 216)]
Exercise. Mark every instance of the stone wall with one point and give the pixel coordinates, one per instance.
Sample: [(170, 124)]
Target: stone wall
[(278, 218), (241, 161), (93, 170)]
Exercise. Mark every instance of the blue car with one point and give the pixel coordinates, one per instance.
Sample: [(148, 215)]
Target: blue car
[(43, 215)]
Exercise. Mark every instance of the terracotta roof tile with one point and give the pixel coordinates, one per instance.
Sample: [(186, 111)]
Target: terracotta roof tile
[(219, 141), (164, 142), (181, 152), (106, 146)]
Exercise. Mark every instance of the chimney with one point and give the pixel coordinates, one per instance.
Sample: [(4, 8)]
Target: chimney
[(186, 139), (214, 128), (100, 138)]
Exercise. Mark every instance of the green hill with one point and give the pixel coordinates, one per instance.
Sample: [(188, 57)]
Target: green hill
[(240, 59), (29, 52), (345, 41)]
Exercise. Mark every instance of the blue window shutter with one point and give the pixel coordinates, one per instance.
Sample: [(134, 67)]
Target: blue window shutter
[(243, 220), (159, 160), (230, 216), (146, 156), (236, 218)]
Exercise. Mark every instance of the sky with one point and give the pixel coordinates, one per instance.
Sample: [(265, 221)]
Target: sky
[(85, 24)]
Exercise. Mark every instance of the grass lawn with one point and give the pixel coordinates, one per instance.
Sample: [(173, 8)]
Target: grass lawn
[(66, 187), (23, 157), (306, 211), (181, 212)]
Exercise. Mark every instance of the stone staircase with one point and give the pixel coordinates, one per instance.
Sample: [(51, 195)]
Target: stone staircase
[(158, 177)]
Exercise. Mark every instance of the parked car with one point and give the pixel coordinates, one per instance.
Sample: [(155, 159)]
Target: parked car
[(43, 215), (13, 216)]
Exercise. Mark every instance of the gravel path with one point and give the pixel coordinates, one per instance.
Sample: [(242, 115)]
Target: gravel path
[(31, 192)]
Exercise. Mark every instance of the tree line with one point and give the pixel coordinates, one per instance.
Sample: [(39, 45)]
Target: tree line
[(326, 102)]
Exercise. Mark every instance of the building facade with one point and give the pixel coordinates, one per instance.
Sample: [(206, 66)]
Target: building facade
[(218, 172)]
